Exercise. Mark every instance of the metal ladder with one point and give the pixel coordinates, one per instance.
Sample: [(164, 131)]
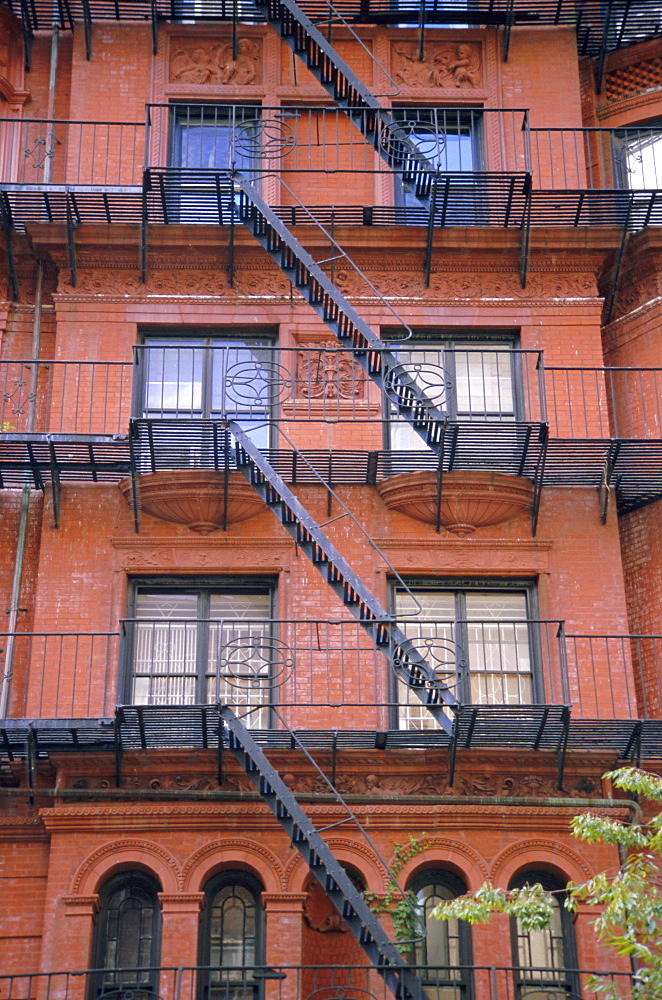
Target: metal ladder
[(407, 663), (387, 136), (352, 332), (330, 874)]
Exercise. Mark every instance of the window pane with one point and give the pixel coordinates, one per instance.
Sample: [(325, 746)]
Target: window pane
[(219, 378), (165, 650), (498, 648), (173, 381), (432, 633), (204, 646), (477, 642), (483, 381), (462, 381)]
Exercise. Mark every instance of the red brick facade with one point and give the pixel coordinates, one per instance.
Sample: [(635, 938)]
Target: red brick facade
[(77, 810)]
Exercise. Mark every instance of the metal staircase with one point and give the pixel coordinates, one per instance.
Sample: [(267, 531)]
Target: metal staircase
[(387, 136), (352, 332), (346, 898), (407, 663)]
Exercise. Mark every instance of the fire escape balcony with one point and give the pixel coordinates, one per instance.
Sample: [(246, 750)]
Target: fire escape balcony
[(430, 168), (485, 167), (157, 683), (498, 410)]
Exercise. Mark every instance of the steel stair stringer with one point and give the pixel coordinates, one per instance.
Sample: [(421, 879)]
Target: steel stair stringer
[(346, 898), (376, 123), (353, 333), (405, 660)]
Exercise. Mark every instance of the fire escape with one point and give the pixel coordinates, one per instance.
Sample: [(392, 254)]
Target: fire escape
[(238, 202)]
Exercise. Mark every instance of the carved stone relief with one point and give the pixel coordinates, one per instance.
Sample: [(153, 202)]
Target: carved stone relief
[(321, 375), (445, 65), (210, 60)]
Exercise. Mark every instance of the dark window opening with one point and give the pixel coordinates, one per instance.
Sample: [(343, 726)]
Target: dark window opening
[(444, 955), (232, 937), (126, 938), (546, 960)]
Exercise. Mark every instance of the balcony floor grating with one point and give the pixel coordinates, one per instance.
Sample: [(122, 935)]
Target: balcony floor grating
[(484, 727)]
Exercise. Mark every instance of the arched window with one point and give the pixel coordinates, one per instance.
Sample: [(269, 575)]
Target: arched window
[(444, 955), (545, 960), (127, 935), (232, 937)]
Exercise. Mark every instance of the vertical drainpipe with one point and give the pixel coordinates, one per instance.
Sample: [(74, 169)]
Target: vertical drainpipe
[(14, 604), (50, 113)]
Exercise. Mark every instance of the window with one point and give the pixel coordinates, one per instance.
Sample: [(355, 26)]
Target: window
[(638, 156), (444, 956), (126, 937), (449, 141), (545, 959), (231, 377), (232, 937), (466, 379), (195, 645), (206, 139), (478, 639)]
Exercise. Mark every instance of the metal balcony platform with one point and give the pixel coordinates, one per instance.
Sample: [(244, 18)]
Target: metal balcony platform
[(619, 24), (46, 736), (547, 728), (525, 727), (175, 197), (49, 458), (631, 469), (26, 205)]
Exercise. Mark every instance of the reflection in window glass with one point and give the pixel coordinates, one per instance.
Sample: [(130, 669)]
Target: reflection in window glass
[(478, 642), (197, 647), (467, 382)]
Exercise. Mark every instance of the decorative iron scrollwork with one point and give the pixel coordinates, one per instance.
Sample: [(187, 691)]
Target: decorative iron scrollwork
[(19, 397), (422, 376), (255, 661), (399, 137), (254, 384), (41, 150), (264, 138), (444, 657)]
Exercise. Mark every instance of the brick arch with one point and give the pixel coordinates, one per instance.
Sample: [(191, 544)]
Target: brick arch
[(559, 858), (457, 857), (358, 856), (127, 855), (236, 853)]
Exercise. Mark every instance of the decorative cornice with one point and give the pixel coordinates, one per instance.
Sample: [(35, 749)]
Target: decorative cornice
[(465, 545), (215, 542)]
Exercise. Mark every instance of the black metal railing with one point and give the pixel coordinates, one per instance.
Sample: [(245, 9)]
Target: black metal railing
[(293, 140), (604, 402), (71, 397), (309, 982), (598, 26), (56, 152), (597, 158), (265, 385), (323, 674)]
